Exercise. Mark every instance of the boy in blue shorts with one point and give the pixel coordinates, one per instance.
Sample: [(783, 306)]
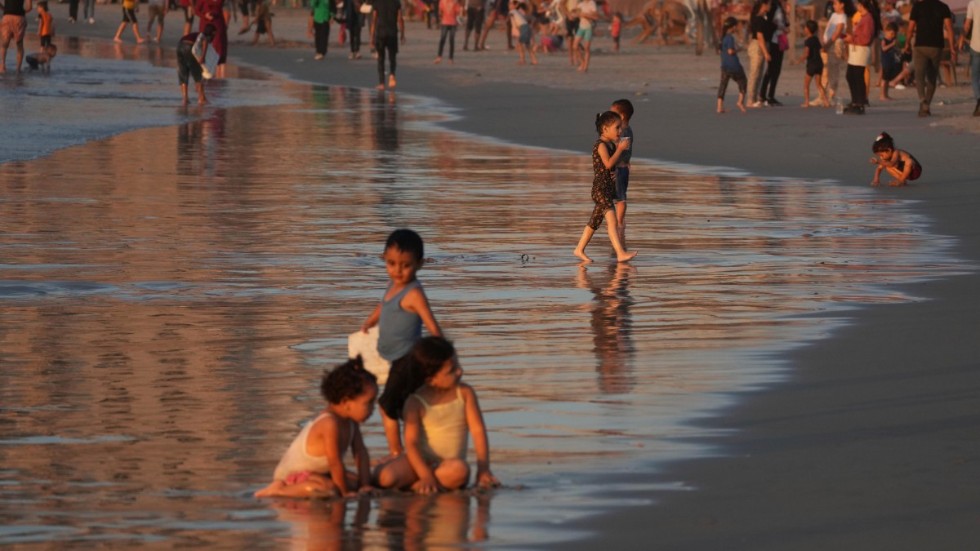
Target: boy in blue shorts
[(623, 108)]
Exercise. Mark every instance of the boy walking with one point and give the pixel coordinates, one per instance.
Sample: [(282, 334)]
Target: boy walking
[(389, 27)]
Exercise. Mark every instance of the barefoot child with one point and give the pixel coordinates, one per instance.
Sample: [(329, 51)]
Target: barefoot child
[(605, 154), (45, 24), (902, 166), (263, 23), (399, 317), (521, 30), (731, 67), (891, 59), (313, 465), (623, 108), (42, 60), (814, 65), (191, 51), (440, 413)]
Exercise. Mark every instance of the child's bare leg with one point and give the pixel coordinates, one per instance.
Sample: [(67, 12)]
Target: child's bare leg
[(314, 486), (741, 101), (453, 474), (183, 93), (520, 52), (272, 37), (392, 434), (534, 56), (587, 56), (119, 31), (583, 242), (721, 105), (395, 473), (622, 255), (621, 221), (136, 33), (199, 87), (806, 91), (897, 174)]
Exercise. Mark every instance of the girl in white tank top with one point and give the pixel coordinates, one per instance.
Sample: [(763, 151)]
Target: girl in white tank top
[(439, 417)]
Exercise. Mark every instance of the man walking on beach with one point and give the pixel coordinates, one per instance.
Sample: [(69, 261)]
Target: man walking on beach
[(389, 27), (927, 22), (13, 26)]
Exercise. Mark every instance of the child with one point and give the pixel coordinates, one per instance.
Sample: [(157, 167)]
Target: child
[(263, 23), (318, 27), (616, 30), (313, 465), (891, 61), (399, 317), (607, 125), (191, 51), (449, 13), (521, 30), (731, 67), (128, 18), (45, 28), (42, 60), (814, 64), (440, 412), (900, 164), (623, 108), (588, 14)]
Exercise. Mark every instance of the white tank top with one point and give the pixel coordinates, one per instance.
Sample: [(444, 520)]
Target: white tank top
[(296, 459)]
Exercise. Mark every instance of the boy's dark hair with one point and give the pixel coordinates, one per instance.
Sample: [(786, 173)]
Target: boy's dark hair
[(425, 360), (892, 27), (407, 241), (625, 106), (811, 26), (603, 120), (43, 4), (729, 23), (346, 381), (883, 142)]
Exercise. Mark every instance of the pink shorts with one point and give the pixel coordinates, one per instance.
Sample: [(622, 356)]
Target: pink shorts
[(13, 27), (296, 478)]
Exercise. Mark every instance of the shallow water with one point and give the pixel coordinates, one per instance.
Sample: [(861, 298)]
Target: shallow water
[(170, 296)]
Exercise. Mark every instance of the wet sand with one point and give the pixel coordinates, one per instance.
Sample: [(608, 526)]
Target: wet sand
[(871, 442)]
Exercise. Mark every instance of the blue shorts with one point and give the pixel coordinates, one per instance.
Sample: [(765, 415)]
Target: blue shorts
[(524, 35), (622, 182), (584, 34)]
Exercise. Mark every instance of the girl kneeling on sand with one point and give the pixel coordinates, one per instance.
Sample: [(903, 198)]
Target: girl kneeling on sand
[(439, 413), (313, 464)]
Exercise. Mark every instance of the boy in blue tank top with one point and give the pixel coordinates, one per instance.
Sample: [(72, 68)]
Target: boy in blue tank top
[(399, 317)]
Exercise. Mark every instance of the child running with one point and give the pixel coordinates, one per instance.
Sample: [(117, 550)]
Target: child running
[(399, 317), (440, 413), (623, 108), (605, 154), (731, 67), (313, 465), (814, 65), (902, 166)]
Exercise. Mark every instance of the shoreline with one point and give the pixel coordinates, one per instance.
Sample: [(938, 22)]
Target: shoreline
[(871, 440)]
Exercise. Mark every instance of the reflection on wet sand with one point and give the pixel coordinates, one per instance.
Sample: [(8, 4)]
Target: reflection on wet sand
[(452, 520), (611, 322), (166, 313)]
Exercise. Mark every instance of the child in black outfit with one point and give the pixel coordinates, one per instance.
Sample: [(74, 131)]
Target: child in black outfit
[(814, 65)]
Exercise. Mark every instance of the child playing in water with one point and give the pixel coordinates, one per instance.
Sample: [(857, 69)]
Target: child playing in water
[(42, 60), (191, 52), (902, 166), (440, 413), (313, 465), (399, 317), (731, 67), (605, 154), (623, 108), (814, 64)]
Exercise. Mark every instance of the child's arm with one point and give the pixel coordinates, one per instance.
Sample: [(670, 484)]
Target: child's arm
[(878, 168), (372, 320), (806, 54), (328, 431), (427, 483), (416, 301), (609, 161), (474, 420), (362, 459)]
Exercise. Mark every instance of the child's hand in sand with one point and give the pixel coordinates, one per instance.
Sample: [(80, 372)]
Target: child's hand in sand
[(485, 479), (426, 486)]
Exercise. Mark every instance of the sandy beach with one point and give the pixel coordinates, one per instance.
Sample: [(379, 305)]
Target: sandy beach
[(872, 441)]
